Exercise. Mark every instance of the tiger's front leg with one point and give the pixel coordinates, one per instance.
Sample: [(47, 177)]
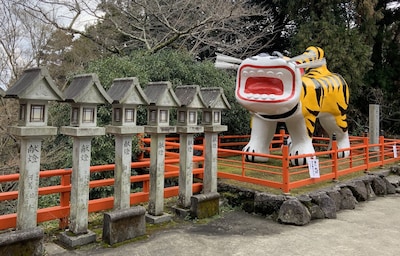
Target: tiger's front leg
[(262, 133), (300, 142)]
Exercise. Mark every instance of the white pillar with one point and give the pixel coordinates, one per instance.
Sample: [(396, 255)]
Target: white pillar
[(28, 183), (374, 125), (122, 171), (157, 161), (185, 169), (80, 185), (210, 162)]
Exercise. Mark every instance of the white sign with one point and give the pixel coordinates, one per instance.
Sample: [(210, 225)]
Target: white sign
[(313, 167), (394, 151)]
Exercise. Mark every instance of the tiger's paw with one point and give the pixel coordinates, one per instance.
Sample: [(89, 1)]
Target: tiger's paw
[(254, 148), (300, 150)]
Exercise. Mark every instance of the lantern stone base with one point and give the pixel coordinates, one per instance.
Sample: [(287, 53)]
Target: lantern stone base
[(124, 129), (152, 219), (181, 212), (160, 129), (189, 129), (215, 128), (24, 131), (72, 240), (82, 131)]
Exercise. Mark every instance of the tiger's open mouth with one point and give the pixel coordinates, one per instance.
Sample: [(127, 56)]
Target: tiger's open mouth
[(263, 85), (268, 84)]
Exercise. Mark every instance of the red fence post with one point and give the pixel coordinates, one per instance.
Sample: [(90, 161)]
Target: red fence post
[(382, 149), (64, 200), (285, 167), (140, 137), (146, 186), (282, 133), (335, 158), (243, 165), (366, 147)]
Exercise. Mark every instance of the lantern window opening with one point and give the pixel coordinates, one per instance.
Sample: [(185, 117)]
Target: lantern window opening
[(192, 117), (129, 115), (163, 116), (117, 114), (153, 115), (88, 115), (75, 116), (22, 114), (217, 117), (37, 113), (207, 117), (182, 116)]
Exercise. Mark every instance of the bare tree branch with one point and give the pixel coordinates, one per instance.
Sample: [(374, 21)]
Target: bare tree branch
[(21, 39), (157, 24)]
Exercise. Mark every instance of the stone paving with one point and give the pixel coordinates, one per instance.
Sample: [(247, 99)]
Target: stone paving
[(372, 228)]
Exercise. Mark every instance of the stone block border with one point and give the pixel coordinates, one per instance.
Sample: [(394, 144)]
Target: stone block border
[(22, 242), (320, 204)]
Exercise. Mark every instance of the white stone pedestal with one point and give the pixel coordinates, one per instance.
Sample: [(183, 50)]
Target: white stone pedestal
[(123, 158), (186, 143), (31, 144), (157, 162), (211, 157), (80, 176)]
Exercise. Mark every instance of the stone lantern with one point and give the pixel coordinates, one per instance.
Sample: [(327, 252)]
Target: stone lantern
[(215, 102), (84, 94), (124, 222), (161, 98), (191, 102), (34, 90), (126, 95)]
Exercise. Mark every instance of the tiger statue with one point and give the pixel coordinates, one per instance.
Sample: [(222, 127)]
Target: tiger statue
[(295, 91)]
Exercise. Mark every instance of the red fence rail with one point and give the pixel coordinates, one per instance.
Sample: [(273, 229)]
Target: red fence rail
[(61, 211), (276, 174)]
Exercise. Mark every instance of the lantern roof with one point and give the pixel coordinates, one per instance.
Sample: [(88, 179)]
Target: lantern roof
[(214, 97), (190, 96), (161, 94), (34, 84), (127, 91), (86, 88)]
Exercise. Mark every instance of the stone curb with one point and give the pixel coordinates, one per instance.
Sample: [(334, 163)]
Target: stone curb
[(320, 204)]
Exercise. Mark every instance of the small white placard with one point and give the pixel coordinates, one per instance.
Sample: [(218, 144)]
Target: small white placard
[(313, 167), (394, 151)]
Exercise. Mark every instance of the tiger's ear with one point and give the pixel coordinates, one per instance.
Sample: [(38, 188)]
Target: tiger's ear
[(227, 62), (319, 53), (312, 64)]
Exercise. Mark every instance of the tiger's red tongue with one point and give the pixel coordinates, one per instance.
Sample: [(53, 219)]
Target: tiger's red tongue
[(264, 85)]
